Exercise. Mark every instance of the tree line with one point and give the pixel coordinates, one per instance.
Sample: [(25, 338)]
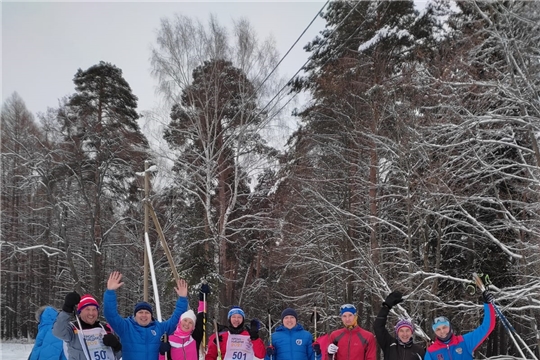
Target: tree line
[(415, 163)]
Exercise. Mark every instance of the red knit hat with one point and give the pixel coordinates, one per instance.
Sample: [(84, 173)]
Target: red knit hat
[(87, 300)]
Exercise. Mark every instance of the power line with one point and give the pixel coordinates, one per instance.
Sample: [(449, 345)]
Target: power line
[(307, 61)]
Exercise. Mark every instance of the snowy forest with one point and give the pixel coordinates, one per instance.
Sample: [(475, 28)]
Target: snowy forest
[(415, 163)]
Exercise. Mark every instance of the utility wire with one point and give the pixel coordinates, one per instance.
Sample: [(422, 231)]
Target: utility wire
[(307, 61)]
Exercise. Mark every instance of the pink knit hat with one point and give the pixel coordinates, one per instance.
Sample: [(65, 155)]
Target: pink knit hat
[(87, 300)]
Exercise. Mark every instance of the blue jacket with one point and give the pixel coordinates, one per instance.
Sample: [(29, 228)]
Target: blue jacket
[(462, 347), (292, 344), (47, 346), (140, 342)]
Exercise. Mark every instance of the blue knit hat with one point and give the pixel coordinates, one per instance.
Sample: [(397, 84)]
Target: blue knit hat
[(236, 310), (287, 312), (347, 308), (142, 305)]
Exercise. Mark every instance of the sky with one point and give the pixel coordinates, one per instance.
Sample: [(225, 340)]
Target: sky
[(44, 43)]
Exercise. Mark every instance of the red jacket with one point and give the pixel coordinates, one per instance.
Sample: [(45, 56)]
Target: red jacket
[(353, 344), (258, 346)]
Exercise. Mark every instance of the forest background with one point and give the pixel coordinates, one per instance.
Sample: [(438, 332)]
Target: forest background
[(416, 164)]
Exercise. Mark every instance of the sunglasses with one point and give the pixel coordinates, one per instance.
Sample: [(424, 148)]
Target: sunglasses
[(440, 319), (347, 306)]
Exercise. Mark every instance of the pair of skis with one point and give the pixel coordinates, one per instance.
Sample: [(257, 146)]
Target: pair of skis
[(509, 328)]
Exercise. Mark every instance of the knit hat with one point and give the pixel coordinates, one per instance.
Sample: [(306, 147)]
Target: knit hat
[(236, 310), (189, 315), (87, 300), (287, 312), (347, 308), (440, 321), (142, 305), (404, 323)]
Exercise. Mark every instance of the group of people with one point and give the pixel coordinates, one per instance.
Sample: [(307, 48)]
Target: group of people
[(141, 337)]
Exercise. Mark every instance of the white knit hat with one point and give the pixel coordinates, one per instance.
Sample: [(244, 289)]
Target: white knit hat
[(189, 315)]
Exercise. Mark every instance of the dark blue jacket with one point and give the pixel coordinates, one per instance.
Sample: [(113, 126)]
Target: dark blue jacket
[(292, 344), (140, 342), (47, 346), (462, 347)]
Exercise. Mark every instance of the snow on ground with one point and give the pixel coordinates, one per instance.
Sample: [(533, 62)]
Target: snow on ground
[(15, 350)]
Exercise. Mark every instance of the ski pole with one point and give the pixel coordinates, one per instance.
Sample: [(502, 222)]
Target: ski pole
[(270, 331), (204, 321), (217, 340), (509, 328), (315, 322)]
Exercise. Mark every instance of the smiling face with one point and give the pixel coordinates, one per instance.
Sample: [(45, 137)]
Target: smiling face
[(143, 317), (442, 331), (404, 334), (89, 314), (187, 325), (289, 321), (236, 320)]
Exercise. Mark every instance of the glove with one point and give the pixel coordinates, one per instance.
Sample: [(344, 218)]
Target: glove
[(205, 289), (254, 329), (394, 298), (487, 297), (164, 348), (71, 300), (317, 349), (270, 350), (332, 349), (112, 341), (220, 338)]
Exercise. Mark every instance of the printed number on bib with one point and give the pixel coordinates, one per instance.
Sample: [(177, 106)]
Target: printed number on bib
[(238, 355), (100, 355)]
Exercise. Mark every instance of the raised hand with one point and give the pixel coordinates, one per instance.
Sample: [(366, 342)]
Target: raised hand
[(115, 281), (393, 298), (181, 288), (71, 301)]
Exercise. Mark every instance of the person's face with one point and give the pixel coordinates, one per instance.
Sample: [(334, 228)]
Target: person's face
[(348, 319), (143, 317), (404, 334), (89, 314), (442, 331), (289, 321), (187, 325), (236, 320)]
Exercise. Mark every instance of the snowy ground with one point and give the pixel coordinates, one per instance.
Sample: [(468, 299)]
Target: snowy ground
[(15, 350)]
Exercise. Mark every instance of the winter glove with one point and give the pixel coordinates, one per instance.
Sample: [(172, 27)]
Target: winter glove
[(254, 329), (394, 298), (71, 300), (205, 289), (112, 341), (332, 349), (164, 348), (317, 349), (220, 338), (487, 296), (270, 350)]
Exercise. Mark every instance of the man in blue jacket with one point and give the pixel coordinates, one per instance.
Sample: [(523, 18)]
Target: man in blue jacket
[(290, 341), (140, 334), (448, 346)]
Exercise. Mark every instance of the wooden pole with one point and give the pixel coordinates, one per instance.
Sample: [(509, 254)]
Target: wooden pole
[(146, 223)]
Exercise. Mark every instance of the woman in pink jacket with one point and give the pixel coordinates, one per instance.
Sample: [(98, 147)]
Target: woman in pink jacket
[(184, 343)]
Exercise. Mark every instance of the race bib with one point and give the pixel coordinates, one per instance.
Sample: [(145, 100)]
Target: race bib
[(239, 347)]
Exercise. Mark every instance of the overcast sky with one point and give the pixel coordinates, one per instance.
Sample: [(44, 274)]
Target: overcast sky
[(44, 43)]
